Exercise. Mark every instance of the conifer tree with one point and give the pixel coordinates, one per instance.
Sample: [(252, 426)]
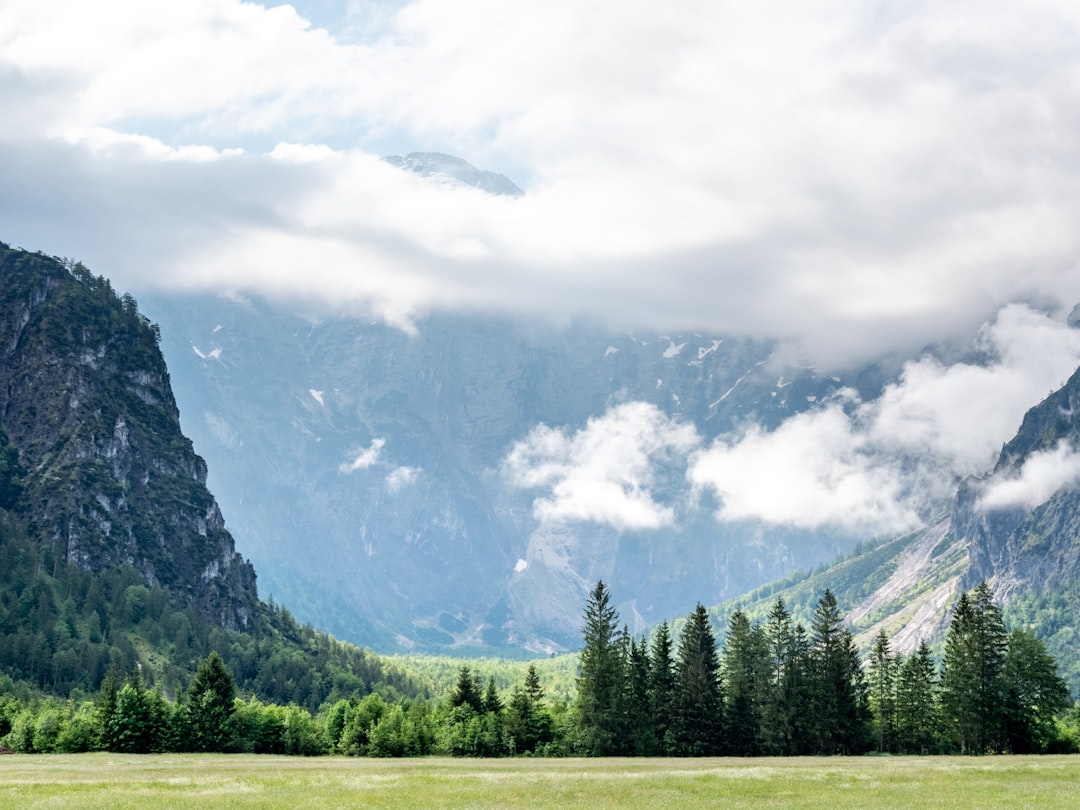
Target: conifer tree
[(492, 702), (600, 676), (882, 672), (211, 703), (467, 692), (745, 666), (1034, 693), (917, 703), (662, 688), (698, 720), (641, 737), (838, 700), (972, 694)]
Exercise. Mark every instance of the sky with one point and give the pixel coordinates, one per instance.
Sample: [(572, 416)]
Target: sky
[(851, 178), (856, 177)]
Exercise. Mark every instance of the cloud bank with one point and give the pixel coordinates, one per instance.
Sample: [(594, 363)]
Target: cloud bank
[(876, 467), (854, 177)]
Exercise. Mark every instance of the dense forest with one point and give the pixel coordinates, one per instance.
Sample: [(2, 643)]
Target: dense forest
[(775, 688)]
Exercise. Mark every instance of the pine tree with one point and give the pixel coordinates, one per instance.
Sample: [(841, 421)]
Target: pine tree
[(492, 702), (745, 666), (467, 692), (211, 703), (839, 700), (785, 694), (662, 688), (1034, 693), (600, 676), (917, 703), (882, 671), (698, 718), (640, 735), (971, 686)]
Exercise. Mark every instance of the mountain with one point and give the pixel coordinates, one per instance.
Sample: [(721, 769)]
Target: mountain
[(367, 472), (453, 171), (111, 480), (113, 553), (1017, 528)]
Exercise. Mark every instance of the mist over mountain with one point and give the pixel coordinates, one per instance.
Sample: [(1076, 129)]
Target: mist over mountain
[(386, 485)]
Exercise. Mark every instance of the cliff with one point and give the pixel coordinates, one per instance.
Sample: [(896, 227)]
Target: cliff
[(108, 479)]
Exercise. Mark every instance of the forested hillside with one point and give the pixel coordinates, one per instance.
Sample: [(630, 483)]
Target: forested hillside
[(112, 551)]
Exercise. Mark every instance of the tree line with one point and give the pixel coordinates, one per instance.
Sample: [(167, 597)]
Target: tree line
[(771, 688), (776, 688)]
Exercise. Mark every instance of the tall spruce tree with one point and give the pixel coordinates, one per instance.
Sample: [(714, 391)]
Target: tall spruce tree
[(662, 688), (210, 706), (746, 669), (917, 703), (839, 700), (972, 691), (1034, 693), (601, 674), (698, 721), (640, 734), (467, 691), (882, 672)]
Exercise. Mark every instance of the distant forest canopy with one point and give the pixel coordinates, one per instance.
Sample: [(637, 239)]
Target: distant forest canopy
[(772, 688)]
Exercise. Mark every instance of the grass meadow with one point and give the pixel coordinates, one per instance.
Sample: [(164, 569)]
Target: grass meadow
[(236, 781)]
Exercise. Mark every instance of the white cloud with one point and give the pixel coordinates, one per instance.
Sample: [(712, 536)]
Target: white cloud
[(604, 473), (854, 176), (401, 477), (815, 470), (1041, 475), (365, 458), (885, 465)]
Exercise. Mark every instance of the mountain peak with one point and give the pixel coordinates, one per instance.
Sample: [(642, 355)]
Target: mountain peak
[(453, 171)]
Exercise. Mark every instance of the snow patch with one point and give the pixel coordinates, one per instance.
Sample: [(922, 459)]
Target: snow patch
[(213, 354), (727, 393), (365, 458), (672, 350), (704, 352)]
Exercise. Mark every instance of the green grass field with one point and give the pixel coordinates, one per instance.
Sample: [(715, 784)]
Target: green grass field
[(196, 781)]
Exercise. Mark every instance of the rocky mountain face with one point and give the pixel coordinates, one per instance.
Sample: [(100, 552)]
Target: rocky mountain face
[(364, 470), (1017, 528), (107, 476)]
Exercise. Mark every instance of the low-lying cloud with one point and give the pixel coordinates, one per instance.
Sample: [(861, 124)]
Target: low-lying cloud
[(876, 467), (605, 472), (1041, 475)]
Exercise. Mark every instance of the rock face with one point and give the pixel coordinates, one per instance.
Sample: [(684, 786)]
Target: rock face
[(363, 469), (110, 479), (1028, 540)]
